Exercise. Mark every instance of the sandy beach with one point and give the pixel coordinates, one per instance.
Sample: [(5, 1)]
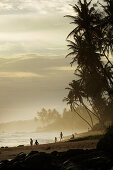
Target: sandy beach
[(11, 152)]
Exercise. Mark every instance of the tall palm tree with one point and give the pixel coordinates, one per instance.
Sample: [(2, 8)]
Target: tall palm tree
[(93, 79)]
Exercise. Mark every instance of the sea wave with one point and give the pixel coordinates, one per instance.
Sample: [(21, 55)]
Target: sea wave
[(10, 139)]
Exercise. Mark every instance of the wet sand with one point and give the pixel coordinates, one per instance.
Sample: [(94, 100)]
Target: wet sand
[(11, 152)]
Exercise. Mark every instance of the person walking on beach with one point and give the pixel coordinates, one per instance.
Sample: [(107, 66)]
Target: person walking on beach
[(61, 136), (31, 141)]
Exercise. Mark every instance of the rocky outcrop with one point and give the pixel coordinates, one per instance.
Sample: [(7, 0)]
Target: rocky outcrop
[(106, 143), (74, 159)]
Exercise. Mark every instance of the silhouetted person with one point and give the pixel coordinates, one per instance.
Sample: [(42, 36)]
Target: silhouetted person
[(31, 141), (55, 139), (61, 136), (73, 136), (36, 142)]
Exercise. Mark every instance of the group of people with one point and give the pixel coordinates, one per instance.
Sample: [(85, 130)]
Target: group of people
[(31, 142), (61, 137)]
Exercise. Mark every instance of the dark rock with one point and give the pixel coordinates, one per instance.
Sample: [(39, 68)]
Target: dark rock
[(32, 153), (97, 163), (68, 165), (4, 164), (20, 145), (73, 152), (20, 157), (4, 161), (54, 153), (88, 159), (106, 143), (74, 159), (16, 166), (41, 161), (86, 164)]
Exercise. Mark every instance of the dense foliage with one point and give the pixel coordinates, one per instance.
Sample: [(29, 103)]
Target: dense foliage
[(52, 120), (91, 45)]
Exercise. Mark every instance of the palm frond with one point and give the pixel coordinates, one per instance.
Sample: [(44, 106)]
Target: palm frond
[(73, 32), (70, 16), (70, 54)]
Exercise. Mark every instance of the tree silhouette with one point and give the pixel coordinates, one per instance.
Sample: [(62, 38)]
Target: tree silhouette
[(48, 116), (92, 41)]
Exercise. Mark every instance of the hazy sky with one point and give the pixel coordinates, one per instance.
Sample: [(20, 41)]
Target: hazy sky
[(33, 69)]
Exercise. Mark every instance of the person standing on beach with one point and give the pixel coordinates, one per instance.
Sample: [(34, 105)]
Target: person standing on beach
[(55, 139), (72, 136), (61, 136), (36, 142), (31, 141)]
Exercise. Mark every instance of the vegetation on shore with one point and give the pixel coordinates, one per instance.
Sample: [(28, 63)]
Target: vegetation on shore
[(67, 121), (86, 138), (106, 142), (91, 45)]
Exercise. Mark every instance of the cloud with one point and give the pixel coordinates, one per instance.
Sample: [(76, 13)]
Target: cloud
[(41, 7), (27, 84), (33, 6), (63, 68), (30, 23), (19, 75), (29, 36), (33, 33), (34, 63), (32, 40)]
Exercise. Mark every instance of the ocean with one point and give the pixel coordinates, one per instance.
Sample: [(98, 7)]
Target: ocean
[(16, 139)]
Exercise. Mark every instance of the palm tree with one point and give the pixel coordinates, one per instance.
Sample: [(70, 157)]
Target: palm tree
[(93, 78)]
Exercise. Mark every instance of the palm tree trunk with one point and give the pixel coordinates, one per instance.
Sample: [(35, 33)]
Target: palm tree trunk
[(73, 109)]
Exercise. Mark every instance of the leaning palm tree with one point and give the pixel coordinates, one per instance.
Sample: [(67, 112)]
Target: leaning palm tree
[(93, 78), (75, 98), (108, 35)]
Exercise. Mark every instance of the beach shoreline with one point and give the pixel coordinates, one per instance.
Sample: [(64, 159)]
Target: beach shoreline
[(64, 145), (11, 152)]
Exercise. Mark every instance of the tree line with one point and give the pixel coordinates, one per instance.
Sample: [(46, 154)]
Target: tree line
[(67, 120)]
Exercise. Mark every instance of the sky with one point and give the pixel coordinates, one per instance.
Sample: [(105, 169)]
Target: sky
[(33, 69)]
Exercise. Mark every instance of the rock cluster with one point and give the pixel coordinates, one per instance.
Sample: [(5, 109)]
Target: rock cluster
[(74, 159), (106, 142)]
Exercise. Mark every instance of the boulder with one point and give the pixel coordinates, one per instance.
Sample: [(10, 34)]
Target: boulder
[(74, 159), (106, 143)]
